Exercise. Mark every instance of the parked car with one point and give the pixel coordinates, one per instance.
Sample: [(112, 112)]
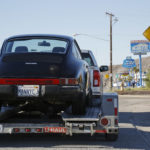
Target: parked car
[(45, 70), (96, 80)]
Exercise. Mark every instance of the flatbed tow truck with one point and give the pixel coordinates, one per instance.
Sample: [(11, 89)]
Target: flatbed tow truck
[(100, 118)]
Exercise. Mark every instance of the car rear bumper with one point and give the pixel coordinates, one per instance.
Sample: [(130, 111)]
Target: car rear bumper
[(57, 92)]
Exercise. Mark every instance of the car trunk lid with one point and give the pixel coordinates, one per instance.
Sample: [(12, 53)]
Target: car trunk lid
[(33, 65)]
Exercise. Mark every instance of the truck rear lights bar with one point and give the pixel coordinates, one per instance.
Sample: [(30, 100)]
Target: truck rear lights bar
[(96, 78), (8, 81), (40, 130)]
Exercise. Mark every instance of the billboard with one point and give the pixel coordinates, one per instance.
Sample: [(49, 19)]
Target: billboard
[(129, 63), (140, 46)]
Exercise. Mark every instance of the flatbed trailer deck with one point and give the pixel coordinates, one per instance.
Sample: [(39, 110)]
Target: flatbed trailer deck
[(100, 118)]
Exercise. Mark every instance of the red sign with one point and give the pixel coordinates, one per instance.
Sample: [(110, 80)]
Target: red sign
[(55, 130)]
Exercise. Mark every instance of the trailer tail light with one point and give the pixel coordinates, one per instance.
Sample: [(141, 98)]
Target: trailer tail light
[(16, 130), (27, 130), (104, 121), (96, 78), (39, 130), (69, 81)]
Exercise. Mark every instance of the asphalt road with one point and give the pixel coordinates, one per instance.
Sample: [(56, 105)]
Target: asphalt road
[(134, 132)]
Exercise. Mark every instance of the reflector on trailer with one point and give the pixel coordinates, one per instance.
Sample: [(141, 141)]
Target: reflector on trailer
[(27, 130), (100, 131), (116, 121), (116, 111), (39, 130), (16, 130), (104, 121)]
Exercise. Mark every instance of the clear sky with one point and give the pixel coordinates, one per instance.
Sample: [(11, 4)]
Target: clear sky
[(79, 16)]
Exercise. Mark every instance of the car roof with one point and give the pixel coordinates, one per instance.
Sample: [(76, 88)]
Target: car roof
[(42, 35)]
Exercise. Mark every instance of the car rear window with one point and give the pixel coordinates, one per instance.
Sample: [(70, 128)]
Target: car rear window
[(88, 59), (39, 45)]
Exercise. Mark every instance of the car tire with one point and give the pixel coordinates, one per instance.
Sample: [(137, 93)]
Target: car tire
[(79, 105), (111, 137)]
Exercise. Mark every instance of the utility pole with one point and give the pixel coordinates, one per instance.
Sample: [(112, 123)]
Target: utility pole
[(110, 15)]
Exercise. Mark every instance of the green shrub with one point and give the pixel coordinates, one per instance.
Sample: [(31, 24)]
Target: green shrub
[(147, 79)]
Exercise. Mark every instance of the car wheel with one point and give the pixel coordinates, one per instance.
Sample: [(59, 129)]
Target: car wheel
[(79, 105)]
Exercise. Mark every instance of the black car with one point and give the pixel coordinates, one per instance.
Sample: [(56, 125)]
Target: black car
[(44, 70)]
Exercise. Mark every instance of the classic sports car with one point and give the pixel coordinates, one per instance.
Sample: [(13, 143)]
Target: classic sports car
[(46, 70)]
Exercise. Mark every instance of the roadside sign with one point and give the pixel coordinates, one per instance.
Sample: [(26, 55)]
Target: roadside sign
[(106, 76), (125, 74), (140, 46), (129, 63), (146, 33)]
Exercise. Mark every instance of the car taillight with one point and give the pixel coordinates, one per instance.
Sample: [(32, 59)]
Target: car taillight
[(69, 81), (96, 78)]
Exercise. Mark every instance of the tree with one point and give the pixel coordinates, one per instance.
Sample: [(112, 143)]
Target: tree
[(135, 69), (147, 79), (129, 78)]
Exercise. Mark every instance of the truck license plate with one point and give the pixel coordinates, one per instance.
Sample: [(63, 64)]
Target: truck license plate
[(28, 90)]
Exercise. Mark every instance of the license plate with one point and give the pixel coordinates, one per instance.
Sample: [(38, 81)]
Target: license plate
[(28, 90)]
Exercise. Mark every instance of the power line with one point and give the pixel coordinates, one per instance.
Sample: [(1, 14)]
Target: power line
[(91, 36)]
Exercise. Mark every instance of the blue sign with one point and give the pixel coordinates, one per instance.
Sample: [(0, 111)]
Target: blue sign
[(129, 63), (140, 46)]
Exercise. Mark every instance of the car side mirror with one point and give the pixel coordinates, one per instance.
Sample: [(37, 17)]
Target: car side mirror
[(103, 68)]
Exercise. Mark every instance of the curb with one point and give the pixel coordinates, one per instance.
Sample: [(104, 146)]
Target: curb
[(134, 96)]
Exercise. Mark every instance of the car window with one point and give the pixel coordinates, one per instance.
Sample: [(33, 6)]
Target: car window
[(88, 59), (74, 51), (77, 51), (37, 45)]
